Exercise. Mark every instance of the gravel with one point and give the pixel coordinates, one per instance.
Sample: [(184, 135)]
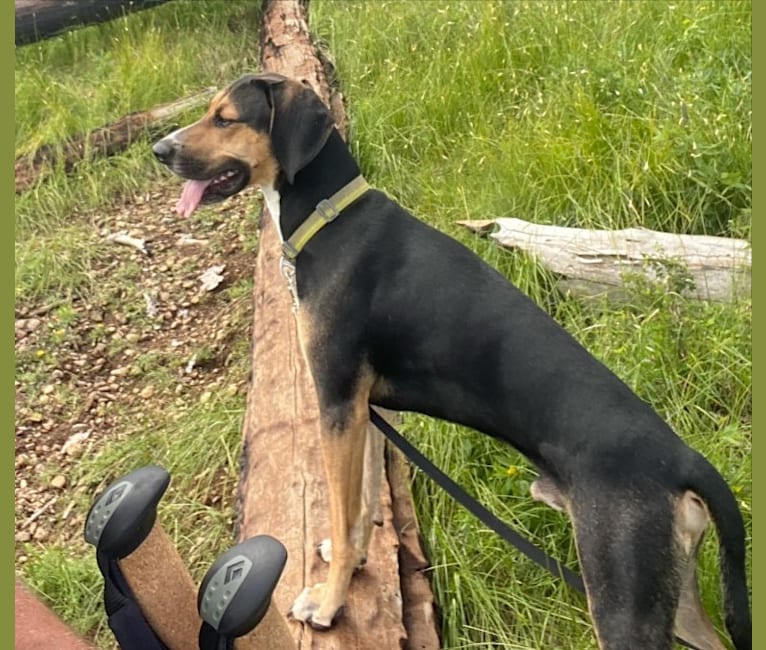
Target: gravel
[(80, 371)]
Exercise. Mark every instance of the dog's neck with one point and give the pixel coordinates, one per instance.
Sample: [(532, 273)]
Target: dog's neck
[(327, 173)]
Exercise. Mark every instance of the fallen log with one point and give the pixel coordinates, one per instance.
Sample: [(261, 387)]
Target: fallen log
[(592, 263), (105, 141), (37, 20), (282, 491)]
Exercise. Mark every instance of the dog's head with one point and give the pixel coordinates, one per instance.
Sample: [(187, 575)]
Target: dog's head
[(260, 127)]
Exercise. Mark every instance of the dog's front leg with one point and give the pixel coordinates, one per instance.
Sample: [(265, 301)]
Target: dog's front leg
[(343, 443), (370, 512)]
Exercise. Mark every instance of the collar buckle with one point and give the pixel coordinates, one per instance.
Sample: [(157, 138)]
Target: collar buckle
[(327, 210)]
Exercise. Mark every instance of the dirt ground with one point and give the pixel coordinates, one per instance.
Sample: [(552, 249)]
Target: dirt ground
[(81, 370)]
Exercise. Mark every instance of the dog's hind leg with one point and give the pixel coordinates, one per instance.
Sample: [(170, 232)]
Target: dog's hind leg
[(625, 543), (374, 451), (371, 512), (692, 623)]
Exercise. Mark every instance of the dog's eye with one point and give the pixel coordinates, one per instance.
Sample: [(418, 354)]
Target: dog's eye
[(221, 122)]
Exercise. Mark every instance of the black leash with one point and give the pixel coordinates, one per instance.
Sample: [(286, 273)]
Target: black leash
[(475, 508), (535, 554)]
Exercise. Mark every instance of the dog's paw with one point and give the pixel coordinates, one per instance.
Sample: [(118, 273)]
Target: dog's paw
[(307, 605), (324, 550)]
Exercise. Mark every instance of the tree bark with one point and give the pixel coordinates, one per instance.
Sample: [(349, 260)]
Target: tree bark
[(40, 19), (105, 141), (600, 262), (283, 491)]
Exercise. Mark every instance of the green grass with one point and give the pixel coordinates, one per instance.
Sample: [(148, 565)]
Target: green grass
[(557, 112), (592, 114)]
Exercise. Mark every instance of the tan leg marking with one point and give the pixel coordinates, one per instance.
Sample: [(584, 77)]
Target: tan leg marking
[(370, 513), (692, 623)]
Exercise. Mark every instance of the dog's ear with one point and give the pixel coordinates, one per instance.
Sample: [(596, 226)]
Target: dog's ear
[(300, 123)]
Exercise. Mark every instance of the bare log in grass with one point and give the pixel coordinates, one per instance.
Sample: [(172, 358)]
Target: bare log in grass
[(104, 141), (40, 19), (597, 262)]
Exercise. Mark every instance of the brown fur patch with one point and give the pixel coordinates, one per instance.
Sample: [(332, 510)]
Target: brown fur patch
[(691, 520), (691, 621), (212, 145)]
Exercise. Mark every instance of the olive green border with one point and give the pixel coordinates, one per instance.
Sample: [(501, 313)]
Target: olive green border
[(7, 371), (759, 633)]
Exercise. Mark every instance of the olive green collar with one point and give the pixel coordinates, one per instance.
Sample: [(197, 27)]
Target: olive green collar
[(325, 212)]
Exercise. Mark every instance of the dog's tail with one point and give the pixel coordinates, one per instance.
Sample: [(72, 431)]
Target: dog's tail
[(711, 487)]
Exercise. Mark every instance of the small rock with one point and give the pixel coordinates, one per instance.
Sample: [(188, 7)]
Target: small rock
[(23, 536), (147, 392), (58, 481), (73, 444), (32, 324), (40, 534)]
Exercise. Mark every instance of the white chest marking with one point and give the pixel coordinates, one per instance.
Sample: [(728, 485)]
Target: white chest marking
[(271, 196), (287, 268)]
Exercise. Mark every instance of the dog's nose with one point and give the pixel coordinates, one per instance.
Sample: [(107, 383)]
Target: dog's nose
[(164, 151)]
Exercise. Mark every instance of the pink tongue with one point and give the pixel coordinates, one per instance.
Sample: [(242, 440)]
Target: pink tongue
[(191, 196)]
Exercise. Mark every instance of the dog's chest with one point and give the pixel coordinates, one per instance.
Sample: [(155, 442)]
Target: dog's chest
[(286, 267)]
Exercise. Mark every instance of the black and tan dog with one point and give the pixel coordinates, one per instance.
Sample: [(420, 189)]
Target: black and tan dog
[(386, 308)]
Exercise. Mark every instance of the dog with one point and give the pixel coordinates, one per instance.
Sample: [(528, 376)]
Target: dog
[(386, 307)]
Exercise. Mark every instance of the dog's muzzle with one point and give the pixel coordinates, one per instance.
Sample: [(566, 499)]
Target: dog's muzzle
[(164, 150)]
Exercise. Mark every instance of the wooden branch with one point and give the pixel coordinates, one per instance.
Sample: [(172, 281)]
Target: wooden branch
[(597, 262), (283, 489), (40, 19), (105, 141)]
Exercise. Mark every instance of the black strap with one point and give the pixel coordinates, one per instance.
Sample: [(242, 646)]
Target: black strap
[(124, 616), (210, 639), (535, 554)]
